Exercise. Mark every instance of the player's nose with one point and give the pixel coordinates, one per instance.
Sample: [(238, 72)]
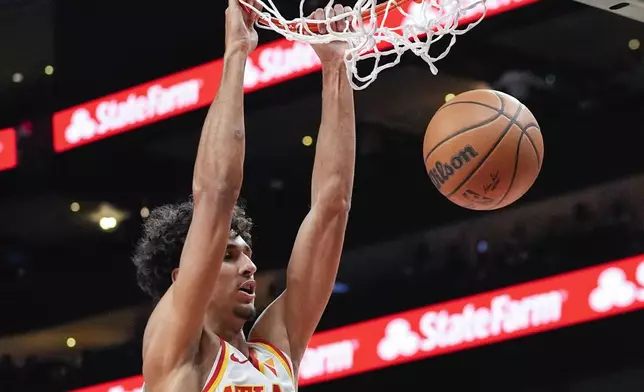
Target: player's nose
[(247, 267)]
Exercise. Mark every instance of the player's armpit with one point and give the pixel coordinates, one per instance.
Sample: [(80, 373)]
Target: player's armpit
[(270, 327)]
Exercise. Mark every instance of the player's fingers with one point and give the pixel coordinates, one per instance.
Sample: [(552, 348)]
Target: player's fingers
[(246, 12), (341, 24), (258, 6), (330, 14), (319, 15), (350, 17)]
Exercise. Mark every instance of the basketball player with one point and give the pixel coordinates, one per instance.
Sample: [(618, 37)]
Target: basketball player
[(195, 257)]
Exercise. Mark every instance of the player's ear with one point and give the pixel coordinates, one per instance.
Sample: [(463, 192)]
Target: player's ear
[(175, 273)]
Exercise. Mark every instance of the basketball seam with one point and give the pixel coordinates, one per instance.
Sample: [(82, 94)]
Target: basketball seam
[(499, 113), (501, 101), (534, 147), (478, 166), (514, 172)]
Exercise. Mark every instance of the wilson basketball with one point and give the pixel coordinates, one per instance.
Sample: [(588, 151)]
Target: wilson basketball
[(483, 150)]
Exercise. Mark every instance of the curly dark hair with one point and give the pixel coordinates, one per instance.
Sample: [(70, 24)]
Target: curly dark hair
[(164, 233)]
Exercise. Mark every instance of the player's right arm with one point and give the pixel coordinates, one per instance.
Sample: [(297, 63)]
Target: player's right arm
[(174, 333)]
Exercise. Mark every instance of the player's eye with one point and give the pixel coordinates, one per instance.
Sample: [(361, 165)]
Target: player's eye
[(228, 256)]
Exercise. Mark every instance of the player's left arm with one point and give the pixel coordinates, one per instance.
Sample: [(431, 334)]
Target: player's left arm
[(289, 322)]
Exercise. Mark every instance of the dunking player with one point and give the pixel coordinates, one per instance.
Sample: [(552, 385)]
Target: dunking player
[(196, 259)]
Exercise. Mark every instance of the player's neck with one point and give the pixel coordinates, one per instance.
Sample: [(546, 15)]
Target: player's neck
[(233, 334)]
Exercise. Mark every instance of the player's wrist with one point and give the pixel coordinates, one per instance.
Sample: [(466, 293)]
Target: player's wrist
[(333, 69), (237, 51), (333, 76), (335, 63)]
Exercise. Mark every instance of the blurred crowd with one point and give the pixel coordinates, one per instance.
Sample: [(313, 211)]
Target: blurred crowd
[(582, 238)]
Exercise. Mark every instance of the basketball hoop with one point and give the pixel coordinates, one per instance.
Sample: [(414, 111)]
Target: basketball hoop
[(379, 30)]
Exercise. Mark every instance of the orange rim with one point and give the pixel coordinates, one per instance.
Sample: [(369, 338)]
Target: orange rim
[(295, 26)]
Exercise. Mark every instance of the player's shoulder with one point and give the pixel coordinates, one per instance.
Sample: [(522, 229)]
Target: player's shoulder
[(160, 355), (166, 363)]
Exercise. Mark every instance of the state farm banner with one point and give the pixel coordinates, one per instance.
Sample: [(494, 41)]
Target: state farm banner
[(8, 149), (130, 384), (530, 308), (195, 88)]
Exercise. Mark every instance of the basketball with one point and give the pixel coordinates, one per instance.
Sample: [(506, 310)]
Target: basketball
[(483, 150)]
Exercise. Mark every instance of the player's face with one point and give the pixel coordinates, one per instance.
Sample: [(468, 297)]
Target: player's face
[(235, 287)]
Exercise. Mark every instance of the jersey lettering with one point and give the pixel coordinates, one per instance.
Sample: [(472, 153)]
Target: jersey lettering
[(250, 388), (244, 388)]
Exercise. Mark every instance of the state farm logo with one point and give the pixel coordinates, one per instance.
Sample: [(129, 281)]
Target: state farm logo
[(399, 340), (82, 126), (113, 115), (614, 290), (277, 63), (440, 329), (328, 358)]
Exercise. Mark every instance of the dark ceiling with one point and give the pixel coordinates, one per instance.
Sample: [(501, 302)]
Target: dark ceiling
[(583, 83)]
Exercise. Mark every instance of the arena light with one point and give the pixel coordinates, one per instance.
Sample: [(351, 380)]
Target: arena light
[(449, 97), (559, 301), (74, 207), (17, 77), (108, 223), (634, 44), (107, 216), (307, 140), (49, 70), (170, 96), (482, 246), (145, 212), (71, 342), (340, 288)]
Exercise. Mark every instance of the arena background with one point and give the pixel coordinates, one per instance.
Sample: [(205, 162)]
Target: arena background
[(71, 315)]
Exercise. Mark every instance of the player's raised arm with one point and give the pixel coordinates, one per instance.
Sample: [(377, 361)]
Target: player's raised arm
[(173, 334), (291, 320)]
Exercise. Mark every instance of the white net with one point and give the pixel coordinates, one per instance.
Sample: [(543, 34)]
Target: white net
[(382, 33)]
